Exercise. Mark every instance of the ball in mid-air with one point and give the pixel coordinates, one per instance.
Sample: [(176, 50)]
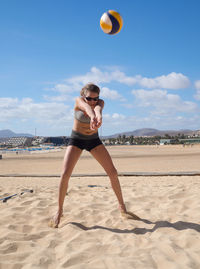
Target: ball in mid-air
[(111, 22)]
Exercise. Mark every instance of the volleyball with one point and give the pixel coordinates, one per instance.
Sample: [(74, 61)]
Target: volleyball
[(111, 22)]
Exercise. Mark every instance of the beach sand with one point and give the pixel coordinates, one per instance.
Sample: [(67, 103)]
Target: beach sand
[(92, 233)]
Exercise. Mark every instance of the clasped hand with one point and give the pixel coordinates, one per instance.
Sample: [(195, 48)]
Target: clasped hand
[(95, 122)]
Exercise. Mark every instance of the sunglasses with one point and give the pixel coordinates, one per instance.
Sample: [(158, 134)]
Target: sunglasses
[(90, 98)]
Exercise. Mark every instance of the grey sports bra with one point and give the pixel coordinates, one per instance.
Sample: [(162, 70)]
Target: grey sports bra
[(80, 116)]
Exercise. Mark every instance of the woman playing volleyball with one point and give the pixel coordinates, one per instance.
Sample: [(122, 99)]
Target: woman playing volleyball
[(87, 119)]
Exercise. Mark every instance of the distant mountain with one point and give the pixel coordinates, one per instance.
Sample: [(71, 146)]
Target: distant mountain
[(138, 132), (153, 132), (9, 133)]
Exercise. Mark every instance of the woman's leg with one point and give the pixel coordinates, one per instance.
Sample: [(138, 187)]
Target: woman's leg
[(71, 157), (101, 154)]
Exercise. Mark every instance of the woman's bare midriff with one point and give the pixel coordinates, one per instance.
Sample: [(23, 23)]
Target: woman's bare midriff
[(83, 128)]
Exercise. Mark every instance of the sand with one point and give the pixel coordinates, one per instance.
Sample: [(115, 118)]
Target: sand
[(92, 233)]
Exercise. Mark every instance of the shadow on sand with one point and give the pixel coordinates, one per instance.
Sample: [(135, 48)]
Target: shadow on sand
[(179, 225)]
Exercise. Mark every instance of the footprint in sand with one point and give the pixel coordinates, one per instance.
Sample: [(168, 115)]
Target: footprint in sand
[(9, 248), (21, 228)]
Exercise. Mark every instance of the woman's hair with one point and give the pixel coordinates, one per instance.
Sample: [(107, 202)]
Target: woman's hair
[(91, 88)]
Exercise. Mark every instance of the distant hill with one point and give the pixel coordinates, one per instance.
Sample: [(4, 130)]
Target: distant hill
[(154, 132), (138, 132), (9, 133)]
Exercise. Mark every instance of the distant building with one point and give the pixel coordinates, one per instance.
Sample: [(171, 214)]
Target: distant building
[(3, 142), (167, 141), (38, 140), (180, 141), (16, 141), (56, 141), (190, 140)]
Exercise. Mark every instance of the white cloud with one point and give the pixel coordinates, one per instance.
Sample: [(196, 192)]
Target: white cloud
[(7, 103), (110, 94), (113, 123), (162, 102), (113, 116), (197, 86), (118, 116), (164, 122), (26, 109), (119, 76), (99, 77), (170, 81), (63, 88), (95, 76)]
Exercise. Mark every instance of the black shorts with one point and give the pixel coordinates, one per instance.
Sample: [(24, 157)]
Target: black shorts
[(85, 144)]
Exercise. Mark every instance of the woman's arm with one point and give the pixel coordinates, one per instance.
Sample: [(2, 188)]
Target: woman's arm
[(82, 105), (98, 112), (99, 107)]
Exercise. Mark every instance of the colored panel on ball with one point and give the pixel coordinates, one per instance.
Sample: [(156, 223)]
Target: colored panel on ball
[(105, 18), (115, 24), (105, 23), (118, 17), (105, 27)]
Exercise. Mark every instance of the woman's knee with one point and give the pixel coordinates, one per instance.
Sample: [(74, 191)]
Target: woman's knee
[(112, 172), (66, 174)]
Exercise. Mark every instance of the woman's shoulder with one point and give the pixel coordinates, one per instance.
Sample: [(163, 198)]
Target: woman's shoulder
[(101, 101), (78, 101)]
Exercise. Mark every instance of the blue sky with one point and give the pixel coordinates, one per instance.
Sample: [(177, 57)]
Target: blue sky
[(149, 73)]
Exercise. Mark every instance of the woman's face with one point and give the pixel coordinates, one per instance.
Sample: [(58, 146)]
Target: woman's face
[(91, 98)]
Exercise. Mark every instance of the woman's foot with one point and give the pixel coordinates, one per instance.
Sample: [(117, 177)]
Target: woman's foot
[(122, 208), (53, 223), (126, 214), (129, 215)]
